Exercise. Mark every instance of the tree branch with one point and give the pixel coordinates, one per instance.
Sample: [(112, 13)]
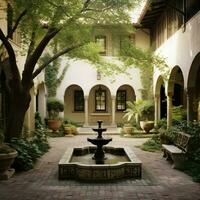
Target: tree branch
[(16, 24), (31, 62), (31, 45), (64, 51), (98, 10), (85, 5), (11, 53)]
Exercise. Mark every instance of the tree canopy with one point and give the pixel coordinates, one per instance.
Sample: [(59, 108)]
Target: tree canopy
[(70, 25)]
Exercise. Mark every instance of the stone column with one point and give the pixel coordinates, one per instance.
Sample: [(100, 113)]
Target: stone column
[(86, 112), (169, 110), (113, 111), (157, 109)]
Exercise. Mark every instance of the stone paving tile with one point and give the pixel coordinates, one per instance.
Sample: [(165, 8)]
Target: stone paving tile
[(159, 181)]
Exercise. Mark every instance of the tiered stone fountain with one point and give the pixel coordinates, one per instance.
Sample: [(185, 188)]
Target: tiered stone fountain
[(99, 141), (100, 163)]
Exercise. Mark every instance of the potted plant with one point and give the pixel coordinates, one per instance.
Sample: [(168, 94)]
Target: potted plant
[(54, 107), (141, 111), (70, 129), (7, 157), (132, 113), (146, 116)]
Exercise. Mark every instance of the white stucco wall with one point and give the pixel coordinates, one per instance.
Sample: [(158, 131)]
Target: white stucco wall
[(83, 74), (181, 48), (142, 38)]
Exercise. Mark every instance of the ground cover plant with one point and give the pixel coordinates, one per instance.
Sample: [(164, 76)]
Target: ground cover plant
[(29, 150), (153, 144)]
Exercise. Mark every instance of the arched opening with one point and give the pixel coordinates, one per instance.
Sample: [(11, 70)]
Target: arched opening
[(124, 93), (193, 90), (178, 95), (74, 104), (160, 99), (100, 105), (176, 91), (163, 102)]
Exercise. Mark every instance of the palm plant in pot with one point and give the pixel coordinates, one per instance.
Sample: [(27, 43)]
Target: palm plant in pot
[(54, 107), (7, 157), (146, 116), (142, 112), (132, 113)]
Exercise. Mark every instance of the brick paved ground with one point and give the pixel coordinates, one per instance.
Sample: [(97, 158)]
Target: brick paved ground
[(159, 181)]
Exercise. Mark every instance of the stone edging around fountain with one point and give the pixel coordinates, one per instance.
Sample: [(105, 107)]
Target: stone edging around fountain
[(100, 172)]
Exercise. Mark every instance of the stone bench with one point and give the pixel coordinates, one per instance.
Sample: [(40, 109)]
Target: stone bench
[(177, 152)]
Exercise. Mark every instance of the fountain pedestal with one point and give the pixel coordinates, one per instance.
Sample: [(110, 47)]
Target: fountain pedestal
[(99, 141)]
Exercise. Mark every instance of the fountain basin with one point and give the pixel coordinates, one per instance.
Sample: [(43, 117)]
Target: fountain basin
[(121, 163)]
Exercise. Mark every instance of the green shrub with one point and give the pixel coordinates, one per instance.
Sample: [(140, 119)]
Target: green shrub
[(24, 160), (168, 136), (40, 139), (68, 121), (162, 124), (192, 169), (38, 121), (29, 150), (178, 113), (196, 156), (152, 144), (54, 106)]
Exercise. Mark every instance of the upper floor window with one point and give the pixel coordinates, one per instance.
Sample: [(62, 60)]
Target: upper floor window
[(78, 100), (121, 100), (100, 100), (101, 40)]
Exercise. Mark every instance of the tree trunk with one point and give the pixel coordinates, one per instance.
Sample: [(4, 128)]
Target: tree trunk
[(16, 115), (19, 100)]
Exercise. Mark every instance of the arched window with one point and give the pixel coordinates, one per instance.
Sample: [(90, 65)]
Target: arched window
[(100, 99)]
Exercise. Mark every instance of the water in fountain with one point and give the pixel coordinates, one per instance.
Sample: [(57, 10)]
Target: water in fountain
[(99, 141)]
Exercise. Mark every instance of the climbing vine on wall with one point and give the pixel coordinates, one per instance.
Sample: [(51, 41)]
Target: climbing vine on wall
[(146, 75), (52, 79)]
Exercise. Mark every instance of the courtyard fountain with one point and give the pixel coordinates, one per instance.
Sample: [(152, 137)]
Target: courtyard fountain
[(99, 141), (99, 162)]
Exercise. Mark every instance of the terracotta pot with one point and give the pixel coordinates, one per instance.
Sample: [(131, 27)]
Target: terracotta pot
[(70, 130), (74, 130), (67, 130), (128, 130), (54, 124), (147, 125), (6, 160)]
